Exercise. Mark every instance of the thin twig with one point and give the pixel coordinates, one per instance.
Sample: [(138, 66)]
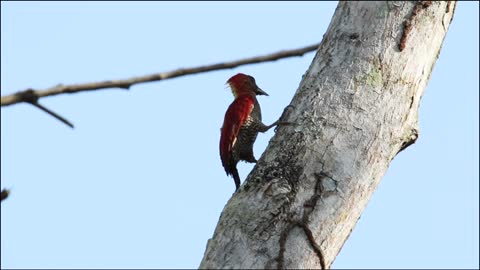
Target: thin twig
[(408, 24), (127, 83), (54, 114)]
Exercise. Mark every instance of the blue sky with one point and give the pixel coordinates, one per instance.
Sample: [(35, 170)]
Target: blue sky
[(139, 184)]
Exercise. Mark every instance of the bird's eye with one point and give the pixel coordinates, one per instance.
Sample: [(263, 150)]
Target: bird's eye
[(251, 78)]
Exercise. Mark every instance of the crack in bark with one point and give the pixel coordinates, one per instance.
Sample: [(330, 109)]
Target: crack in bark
[(411, 103), (447, 9), (408, 24), (309, 206), (311, 239), (313, 243), (283, 240)]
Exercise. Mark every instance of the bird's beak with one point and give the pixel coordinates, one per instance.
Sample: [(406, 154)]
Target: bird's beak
[(260, 92)]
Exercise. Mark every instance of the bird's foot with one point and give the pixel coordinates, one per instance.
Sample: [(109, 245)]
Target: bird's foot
[(283, 123)]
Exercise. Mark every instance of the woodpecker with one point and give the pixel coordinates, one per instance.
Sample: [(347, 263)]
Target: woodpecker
[(243, 121)]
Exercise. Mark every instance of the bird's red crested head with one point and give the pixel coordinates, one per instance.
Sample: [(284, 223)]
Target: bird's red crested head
[(242, 84)]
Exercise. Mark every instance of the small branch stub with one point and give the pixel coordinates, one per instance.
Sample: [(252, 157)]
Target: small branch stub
[(4, 194)]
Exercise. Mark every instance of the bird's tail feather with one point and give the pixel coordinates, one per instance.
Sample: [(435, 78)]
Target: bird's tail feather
[(236, 178)]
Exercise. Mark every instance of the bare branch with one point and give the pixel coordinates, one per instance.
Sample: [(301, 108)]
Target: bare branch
[(127, 83)]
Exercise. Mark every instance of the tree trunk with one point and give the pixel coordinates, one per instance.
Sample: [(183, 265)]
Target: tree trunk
[(355, 109)]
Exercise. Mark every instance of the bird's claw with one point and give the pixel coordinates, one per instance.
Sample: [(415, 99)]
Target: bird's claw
[(283, 123)]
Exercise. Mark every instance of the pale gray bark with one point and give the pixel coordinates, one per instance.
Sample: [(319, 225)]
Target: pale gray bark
[(355, 109)]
